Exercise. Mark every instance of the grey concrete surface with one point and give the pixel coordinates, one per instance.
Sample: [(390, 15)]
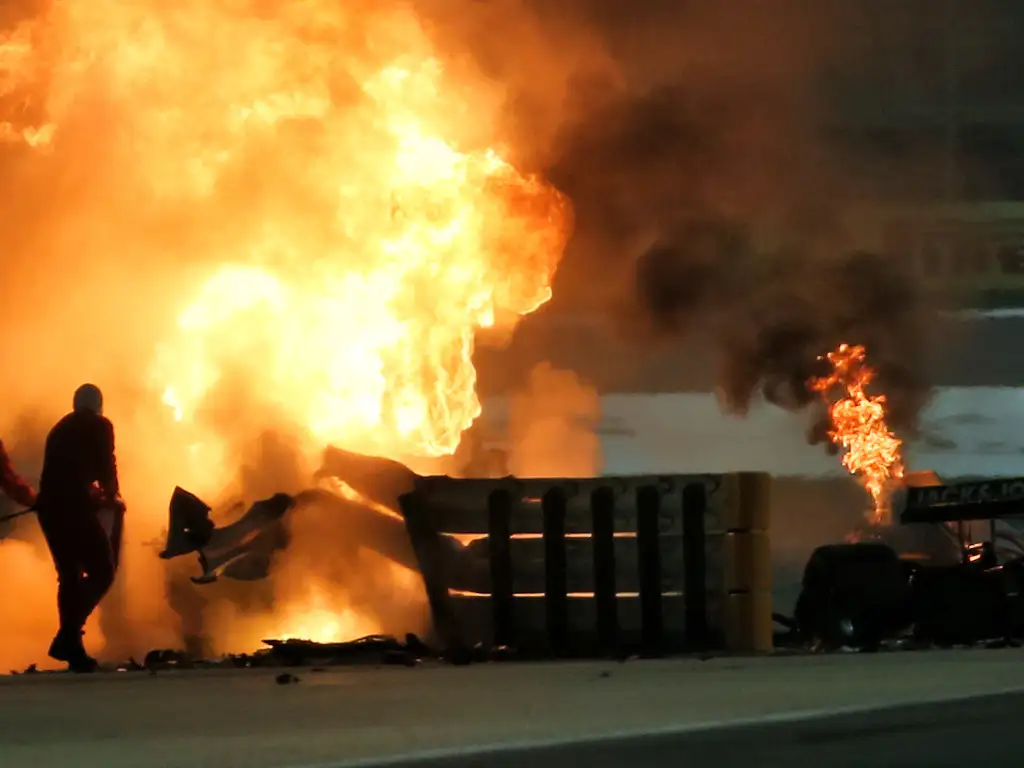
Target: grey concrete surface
[(975, 731), (244, 718)]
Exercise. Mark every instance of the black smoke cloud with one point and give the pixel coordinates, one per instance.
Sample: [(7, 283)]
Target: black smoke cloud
[(771, 317), (710, 202)]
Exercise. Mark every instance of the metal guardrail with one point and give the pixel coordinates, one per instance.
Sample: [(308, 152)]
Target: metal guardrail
[(562, 567)]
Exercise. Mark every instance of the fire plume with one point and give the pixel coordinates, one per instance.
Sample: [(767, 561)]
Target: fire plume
[(320, 621), (357, 220), (871, 451)]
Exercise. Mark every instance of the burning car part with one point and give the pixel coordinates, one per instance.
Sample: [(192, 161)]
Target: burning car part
[(889, 579), (922, 577), (853, 595), (243, 549), (380, 480), (925, 579)]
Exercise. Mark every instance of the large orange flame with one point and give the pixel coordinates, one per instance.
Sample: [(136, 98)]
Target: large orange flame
[(871, 451), (356, 219), (384, 231)]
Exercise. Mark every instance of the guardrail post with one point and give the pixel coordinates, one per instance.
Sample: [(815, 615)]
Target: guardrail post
[(499, 513), (556, 604), (695, 565), (649, 561), (423, 532), (606, 603)]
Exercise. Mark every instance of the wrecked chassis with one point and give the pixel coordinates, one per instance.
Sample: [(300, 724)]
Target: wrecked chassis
[(520, 567), (243, 549), (933, 579)]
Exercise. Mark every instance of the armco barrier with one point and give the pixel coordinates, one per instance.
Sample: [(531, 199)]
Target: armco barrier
[(650, 564)]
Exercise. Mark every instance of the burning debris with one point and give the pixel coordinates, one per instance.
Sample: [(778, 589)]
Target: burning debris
[(240, 550), (373, 649), (243, 549), (326, 563), (362, 491), (871, 451), (369, 650)]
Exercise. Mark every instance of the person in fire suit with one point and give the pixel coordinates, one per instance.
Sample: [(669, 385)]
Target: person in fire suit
[(78, 482), (12, 484)]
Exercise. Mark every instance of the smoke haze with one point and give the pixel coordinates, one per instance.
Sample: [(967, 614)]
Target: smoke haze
[(552, 426), (711, 202)]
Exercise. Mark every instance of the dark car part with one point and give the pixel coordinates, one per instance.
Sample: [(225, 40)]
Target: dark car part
[(854, 595), (975, 601)]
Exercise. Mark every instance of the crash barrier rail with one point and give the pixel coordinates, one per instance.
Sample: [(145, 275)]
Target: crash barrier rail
[(607, 565)]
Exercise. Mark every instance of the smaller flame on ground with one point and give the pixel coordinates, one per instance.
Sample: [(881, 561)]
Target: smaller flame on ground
[(319, 620), (870, 449), (322, 614)]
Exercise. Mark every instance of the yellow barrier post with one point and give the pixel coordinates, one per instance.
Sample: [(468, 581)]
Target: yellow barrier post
[(745, 512)]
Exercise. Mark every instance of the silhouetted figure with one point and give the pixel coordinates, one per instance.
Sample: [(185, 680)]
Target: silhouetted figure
[(79, 481)]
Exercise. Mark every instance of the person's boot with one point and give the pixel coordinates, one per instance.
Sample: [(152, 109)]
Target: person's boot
[(65, 643), (67, 646), (82, 663)]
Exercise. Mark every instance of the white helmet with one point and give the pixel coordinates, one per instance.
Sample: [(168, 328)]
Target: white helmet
[(88, 398)]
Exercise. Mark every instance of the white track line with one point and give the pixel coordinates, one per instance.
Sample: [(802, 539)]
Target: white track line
[(987, 314)]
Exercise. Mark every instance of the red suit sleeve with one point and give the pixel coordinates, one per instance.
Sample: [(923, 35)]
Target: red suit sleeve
[(11, 482)]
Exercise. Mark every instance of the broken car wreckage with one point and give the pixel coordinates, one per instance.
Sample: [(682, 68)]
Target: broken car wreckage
[(934, 577), (243, 549), (939, 576)]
